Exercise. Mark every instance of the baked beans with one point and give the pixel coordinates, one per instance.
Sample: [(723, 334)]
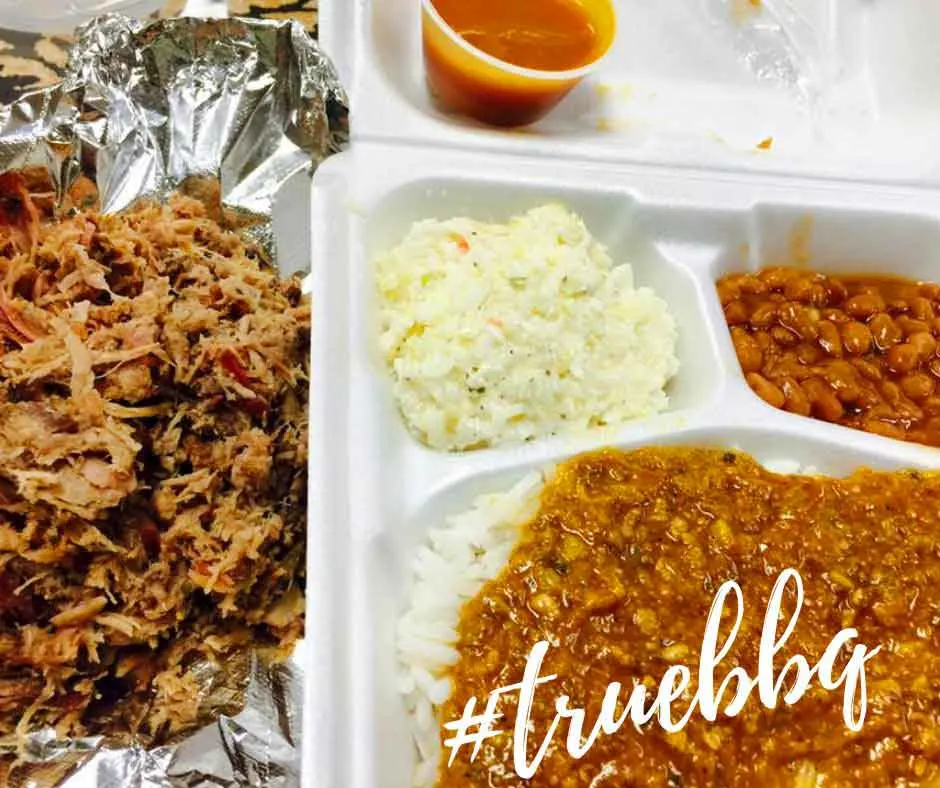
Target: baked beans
[(861, 351)]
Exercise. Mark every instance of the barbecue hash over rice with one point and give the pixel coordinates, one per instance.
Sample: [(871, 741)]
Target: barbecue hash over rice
[(153, 442), (501, 333), (615, 561)]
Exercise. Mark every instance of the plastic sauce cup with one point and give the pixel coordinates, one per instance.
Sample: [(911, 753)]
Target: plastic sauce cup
[(462, 78)]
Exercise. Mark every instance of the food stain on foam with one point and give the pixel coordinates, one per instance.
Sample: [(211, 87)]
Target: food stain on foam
[(744, 11), (714, 136), (608, 125), (797, 251), (610, 98), (609, 95), (765, 144), (606, 90), (800, 239)]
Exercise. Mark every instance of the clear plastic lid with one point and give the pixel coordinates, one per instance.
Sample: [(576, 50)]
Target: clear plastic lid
[(55, 16)]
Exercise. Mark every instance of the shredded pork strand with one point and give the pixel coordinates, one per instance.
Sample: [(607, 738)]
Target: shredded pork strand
[(153, 446)]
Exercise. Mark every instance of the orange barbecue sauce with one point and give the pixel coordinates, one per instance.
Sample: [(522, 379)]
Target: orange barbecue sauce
[(547, 36)]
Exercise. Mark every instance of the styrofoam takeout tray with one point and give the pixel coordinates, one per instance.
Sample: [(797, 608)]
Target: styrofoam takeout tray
[(375, 491), (845, 88)]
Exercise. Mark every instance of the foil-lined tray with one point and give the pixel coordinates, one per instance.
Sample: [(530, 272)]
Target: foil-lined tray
[(239, 106)]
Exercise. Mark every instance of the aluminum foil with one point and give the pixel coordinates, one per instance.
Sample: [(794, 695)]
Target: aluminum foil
[(144, 110), (257, 746), (239, 106)]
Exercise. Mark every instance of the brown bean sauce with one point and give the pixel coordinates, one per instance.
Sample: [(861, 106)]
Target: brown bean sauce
[(618, 570), (860, 351)]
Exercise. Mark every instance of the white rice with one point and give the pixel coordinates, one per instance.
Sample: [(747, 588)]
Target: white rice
[(501, 333), (458, 559)]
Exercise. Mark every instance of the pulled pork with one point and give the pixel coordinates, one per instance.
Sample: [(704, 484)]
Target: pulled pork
[(153, 446)]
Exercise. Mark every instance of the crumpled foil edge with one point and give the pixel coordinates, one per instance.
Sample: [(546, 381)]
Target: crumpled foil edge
[(144, 110)]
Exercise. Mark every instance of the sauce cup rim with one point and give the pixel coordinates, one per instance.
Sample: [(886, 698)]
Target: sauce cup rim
[(531, 73)]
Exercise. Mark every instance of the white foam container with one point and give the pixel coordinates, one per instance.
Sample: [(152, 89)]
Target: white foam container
[(375, 491), (658, 155), (846, 88)]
